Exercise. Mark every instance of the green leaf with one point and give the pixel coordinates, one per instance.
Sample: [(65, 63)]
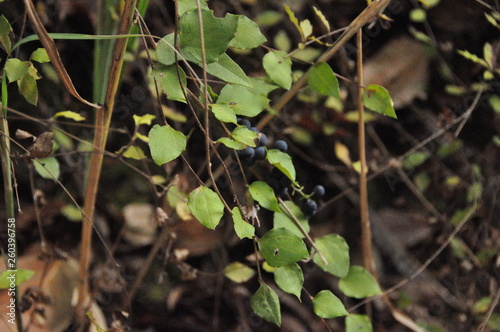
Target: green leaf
[(70, 115), (72, 212), (283, 220), (279, 68), (171, 82), (322, 80), (231, 144), (242, 228), (282, 161), (5, 30), (290, 279), (10, 278), (165, 53), (228, 70), (184, 6), (281, 247), (327, 305), (248, 34), (265, 303), (166, 144), (16, 69), (40, 55), (133, 152), (358, 323), (336, 252), (377, 98), (359, 283), (472, 57), (243, 100), (47, 168), (244, 135), (260, 86), (264, 194), (27, 87), (143, 119), (224, 112), (268, 18), (238, 272), (218, 32), (206, 206), (415, 159)]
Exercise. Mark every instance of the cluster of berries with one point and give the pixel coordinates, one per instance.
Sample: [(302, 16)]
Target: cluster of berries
[(280, 183), (249, 155), (310, 206)]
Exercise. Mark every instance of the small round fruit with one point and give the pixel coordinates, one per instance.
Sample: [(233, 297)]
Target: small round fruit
[(262, 139), (319, 191), (244, 122), (310, 208), (281, 145), (254, 129), (283, 191), (246, 153), (260, 153)]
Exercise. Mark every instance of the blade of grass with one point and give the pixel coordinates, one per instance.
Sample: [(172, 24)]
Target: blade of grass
[(52, 52)]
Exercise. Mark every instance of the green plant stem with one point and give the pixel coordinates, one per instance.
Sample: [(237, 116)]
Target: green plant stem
[(103, 120)]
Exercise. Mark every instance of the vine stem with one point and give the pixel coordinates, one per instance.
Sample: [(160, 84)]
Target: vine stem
[(366, 234)]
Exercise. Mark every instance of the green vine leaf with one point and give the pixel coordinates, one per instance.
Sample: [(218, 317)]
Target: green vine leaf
[(166, 144), (322, 80), (238, 272), (244, 135), (336, 252), (165, 53), (145, 119), (280, 247), (282, 219), (282, 161), (5, 30), (70, 115), (224, 112), (16, 69), (242, 228), (184, 6), (171, 82), (377, 98), (231, 143), (228, 70), (132, 152), (27, 87), (243, 100), (266, 304), (248, 34), (327, 305), (264, 194), (359, 283), (47, 168), (279, 68), (40, 55), (206, 206), (358, 323), (290, 279), (218, 33)]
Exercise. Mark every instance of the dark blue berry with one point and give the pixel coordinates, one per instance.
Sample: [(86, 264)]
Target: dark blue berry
[(281, 145), (310, 208), (244, 122), (254, 129), (260, 153), (246, 153), (263, 139), (319, 191)]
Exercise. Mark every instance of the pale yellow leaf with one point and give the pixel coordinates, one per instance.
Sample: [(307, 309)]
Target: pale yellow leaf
[(322, 18), (342, 153)]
